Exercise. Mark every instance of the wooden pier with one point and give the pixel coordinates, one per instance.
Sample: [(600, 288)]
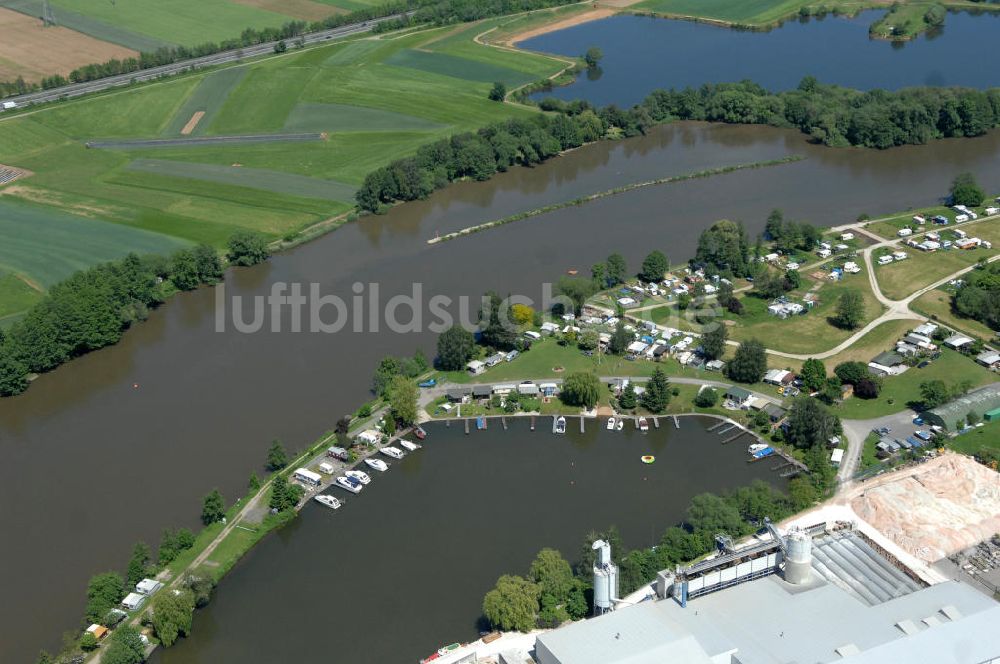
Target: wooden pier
[(503, 421), (581, 424), (677, 422), (466, 427), (719, 425), (734, 437), (656, 423), (728, 429)]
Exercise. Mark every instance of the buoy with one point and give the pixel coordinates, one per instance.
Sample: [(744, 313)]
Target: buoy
[(135, 386), (648, 458)]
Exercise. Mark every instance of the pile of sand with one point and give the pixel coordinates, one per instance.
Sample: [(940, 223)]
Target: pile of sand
[(936, 509)]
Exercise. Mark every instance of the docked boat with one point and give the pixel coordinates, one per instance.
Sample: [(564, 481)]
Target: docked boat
[(348, 484), (377, 464), (757, 447), (560, 424), (480, 422), (441, 652), (620, 425), (408, 446), (611, 424), (359, 475), (419, 433), (643, 424), (392, 452), (766, 452), (329, 501)]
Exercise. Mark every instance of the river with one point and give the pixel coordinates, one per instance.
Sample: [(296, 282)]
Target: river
[(644, 53), (119, 444)]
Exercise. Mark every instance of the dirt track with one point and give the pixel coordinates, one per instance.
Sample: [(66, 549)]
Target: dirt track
[(192, 123)]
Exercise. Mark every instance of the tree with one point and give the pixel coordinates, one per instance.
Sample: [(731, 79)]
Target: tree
[(593, 56), (724, 248), (620, 339), (454, 348), (852, 373), (88, 642), (966, 191), (657, 394), (139, 565), (707, 397), (810, 423), (577, 289), (126, 647), (867, 388), (247, 248), (522, 314), (172, 543), (627, 399), (499, 91), (553, 575), (616, 269), (104, 592), (403, 400), (284, 496), (749, 364), (512, 604), (213, 508), (654, 267), (280, 46), (713, 342), (933, 393), (850, 309), (588, 340), (710, 513), (581, 388), (277, 458), (813, 374), (599, 275), (792, 280), (388, 367), (253, 484), (497, 331), (725, 295), (173, 613)]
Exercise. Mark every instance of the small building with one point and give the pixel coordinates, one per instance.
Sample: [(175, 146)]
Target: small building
[(988, 358), (958, 341), (775, 412), (459, 394), (99, 631), (307, 476), (504, 389), (926, 329), (133, 601), (548, 389), (528, 390), (475, 367), (481, 392), (637, 347), (779, 377), (887, 359), (836, 457), (338, 453), (981, 401), (739, 397), (148, 586)]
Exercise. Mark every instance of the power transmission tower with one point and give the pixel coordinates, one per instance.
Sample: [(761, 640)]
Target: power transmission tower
[(48, 18)]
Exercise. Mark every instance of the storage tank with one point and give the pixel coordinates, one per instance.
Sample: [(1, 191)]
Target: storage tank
[(798, 556), (605, 578)]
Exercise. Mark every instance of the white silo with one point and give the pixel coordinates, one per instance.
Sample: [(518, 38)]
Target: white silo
[(605, 578), (798, 556)]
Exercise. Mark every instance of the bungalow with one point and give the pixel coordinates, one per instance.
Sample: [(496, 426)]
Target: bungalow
[(495, 359), (989, 358), (504, 389), (920, 340), (715, 365), (459, 394), (958, 341), (475, 367), (133, 601), (906, 349), (926, 329), (775, 412), (779, 377), (548, 389), (738, 397), (886, 363), (528, 390), (368, 437), (549, 328), (148, 586), (481, 392)]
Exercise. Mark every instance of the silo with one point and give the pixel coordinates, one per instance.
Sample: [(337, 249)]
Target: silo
[(605, 578), (798, 556)]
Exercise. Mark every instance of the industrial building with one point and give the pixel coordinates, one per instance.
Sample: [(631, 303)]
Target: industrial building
[(809, 596), (984, 402)]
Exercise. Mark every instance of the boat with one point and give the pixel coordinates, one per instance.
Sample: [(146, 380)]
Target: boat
[(620, 425), (648, 458), (480, 422), (359, 475), (560, 424), (391, 452), (430, 382), (643, 424), (419, 433), (329, 501), (760, 454), (757, 447), (348, 484), (572, 272), (611, 424), (377, 464), (408, 446)]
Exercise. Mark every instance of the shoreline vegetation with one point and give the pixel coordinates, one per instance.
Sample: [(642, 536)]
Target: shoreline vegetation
[(583, 200)]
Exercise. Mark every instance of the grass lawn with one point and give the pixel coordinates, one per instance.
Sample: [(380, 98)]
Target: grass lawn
[(904, 21), (868, 458), (936, 304), (901, 278), (749, 12), (874, 342), (898, 391), (208, 97), (984, 437), (15, 296)]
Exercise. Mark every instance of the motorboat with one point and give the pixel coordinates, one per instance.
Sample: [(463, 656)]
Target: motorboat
[(643, 424), (377, 464), (359, 475), (760, 454), (757, 447), (620, 425), (419, 433), (329, 501), (611, 424), (480, 423), (348, 484), (408, 446), (560, 424), (392, 452), (430, 382)]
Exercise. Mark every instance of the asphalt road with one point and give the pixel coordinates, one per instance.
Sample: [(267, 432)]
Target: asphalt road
[(223, 57)]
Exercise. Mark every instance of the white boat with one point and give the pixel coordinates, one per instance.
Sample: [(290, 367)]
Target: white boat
[(377, 464), (348, 484), (359, 475), (408, 446), (757, 447), (329, 501), (560, 424), (391, 452), (643, 424), (611, 424), (620, 425)]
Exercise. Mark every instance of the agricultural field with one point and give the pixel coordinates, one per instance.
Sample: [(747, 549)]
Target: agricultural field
[(373, 100)]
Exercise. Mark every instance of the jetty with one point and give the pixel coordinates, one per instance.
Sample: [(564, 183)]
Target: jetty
[(677, 422), (656, 423), (735, 436), (716, 426)]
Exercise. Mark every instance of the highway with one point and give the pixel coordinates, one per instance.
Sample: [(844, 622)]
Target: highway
[(223, 57)]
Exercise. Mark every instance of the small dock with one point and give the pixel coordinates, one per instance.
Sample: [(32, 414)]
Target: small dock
[(532, 422), (728, 429), (677, 422), (503, 422), (466, 427), (718, 426), (581, 424), (735, 436), (656, 423)]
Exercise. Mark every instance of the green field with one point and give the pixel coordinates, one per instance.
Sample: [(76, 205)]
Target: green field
[(308, 117), (936, 304), (751, 12), (15, 296), (209, 96)]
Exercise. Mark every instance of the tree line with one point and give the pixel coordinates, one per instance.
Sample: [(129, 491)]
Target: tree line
[(439, 12), (92, 308)]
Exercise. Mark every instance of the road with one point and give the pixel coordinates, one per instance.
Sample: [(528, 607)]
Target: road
[(223, 57)]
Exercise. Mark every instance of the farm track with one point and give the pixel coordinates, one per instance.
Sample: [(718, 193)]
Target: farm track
[(203, 140)]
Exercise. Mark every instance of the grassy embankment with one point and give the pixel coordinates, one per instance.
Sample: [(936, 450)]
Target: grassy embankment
[(906, 21)]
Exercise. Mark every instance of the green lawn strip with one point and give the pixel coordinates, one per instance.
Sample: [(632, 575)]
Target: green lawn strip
[(460, 44), (901, 278), (241, 539), (252, 178), (15, 295), (263, 99), (903, 21), (936, 304), (898, 391), (458, 67), (750, 12), (883, 337), (986, 437), (83, 21), (868, 456), (352, 52), (209, 97), (308, 117), (48, 245)]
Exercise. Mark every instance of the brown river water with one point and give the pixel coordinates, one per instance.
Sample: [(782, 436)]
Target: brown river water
[(117, 445)]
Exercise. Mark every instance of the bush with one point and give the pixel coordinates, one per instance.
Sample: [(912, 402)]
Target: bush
[(706, 398)]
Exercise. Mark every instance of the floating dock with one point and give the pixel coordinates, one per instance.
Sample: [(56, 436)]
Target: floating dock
[(677, 422)]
